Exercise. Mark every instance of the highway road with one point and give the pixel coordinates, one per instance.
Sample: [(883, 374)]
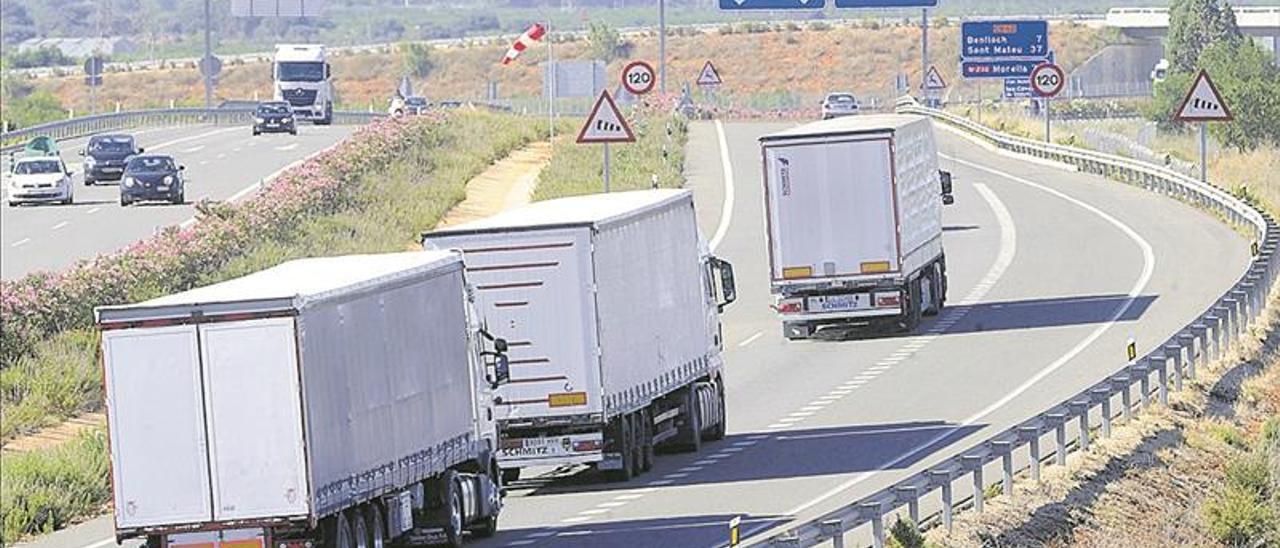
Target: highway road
[(222, 163), (1051, 272)]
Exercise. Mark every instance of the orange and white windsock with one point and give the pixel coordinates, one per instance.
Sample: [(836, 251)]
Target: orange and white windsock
[(522, 43)]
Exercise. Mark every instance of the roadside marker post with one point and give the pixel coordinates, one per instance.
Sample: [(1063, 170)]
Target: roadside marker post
[(1131, 350), (605, 125), (735, 530), (1203, 104)]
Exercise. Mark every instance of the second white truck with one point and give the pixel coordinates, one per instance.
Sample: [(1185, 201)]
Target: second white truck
[(611, 305), (854, 220), (303, 78)]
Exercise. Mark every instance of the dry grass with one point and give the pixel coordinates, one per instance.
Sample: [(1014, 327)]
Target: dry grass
[(806, 62)]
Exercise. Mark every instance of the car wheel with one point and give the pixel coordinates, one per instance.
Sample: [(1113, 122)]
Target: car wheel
[(70, 200), (88, 181), (256, 133), (13, 204), (179, 199), (124, 202)]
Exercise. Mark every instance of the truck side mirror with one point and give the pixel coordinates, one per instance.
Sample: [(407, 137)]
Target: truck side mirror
[(948, 199), (140, 150), (326, 70), (728, 290), (81, 153), (947, 187), (501, 370)]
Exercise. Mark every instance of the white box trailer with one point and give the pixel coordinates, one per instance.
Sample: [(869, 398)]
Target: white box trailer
[(611, 306), (317, 401), (854, 216)]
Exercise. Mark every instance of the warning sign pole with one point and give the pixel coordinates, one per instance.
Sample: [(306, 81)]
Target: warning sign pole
[(1204, 146), (1203, 104), (607, 168)]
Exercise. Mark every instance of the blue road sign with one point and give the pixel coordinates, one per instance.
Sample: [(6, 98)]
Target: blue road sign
[(886, 3), (772, 4), (1017, 88), (1006, 68), (1004, 40)]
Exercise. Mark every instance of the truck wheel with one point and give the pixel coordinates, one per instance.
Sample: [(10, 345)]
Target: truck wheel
[(510, 475), (930, 303), (453, 525), (693, 421), (374, 526), (795, 331), (911, 316), (637, 443), (626, 439), (718, 431), (359, 528), (340, 535)]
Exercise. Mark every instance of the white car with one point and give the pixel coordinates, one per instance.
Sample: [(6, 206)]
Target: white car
[(839, 104), (40, 179)]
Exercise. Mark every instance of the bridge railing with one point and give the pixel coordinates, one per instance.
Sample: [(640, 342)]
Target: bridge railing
[(1144, 381), (89, 125)]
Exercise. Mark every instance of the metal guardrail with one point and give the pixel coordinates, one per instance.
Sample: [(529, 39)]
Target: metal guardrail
[(88, 125), (1206, 338)]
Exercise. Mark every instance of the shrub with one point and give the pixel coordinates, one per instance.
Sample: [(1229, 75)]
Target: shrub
[(905, 534), (1238, 517), (43, 490)]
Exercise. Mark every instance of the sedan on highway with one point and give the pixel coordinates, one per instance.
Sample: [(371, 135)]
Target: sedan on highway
[(40, 179), (274, 117), (153, 177), (105, 156), (839, 104)]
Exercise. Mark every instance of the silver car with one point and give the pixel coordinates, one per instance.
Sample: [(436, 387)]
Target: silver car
[(839, 104)]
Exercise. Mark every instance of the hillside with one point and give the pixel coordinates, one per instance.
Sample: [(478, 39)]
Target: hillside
[(754, 59)]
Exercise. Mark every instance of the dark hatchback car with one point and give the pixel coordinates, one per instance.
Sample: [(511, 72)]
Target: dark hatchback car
[(105, 156), (153, 177), (274, 117)]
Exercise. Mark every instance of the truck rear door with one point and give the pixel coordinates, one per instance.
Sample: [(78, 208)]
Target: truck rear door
[(831, 210), (160, 464), (254, 404)]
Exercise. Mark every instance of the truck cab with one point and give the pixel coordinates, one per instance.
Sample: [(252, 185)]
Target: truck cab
[(303, 78)]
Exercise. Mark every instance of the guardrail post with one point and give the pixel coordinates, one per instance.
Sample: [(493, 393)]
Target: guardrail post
[(1123, 382), (1201, 332), (877, 522), (1162, 375), (1188, 342), (834, 528), (1250, 288), (1213, 350), (1144, 384), (912, 493), (1059, 419), (1082, 407), (1005, 449), (1173, 358), (1230, 318), (948, 502), (976, 462), (1032, 434), (1244, 302), (1103, 395)]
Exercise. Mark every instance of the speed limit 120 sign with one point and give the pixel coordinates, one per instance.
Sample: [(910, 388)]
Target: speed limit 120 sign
[(1047, 79), (638, 77)]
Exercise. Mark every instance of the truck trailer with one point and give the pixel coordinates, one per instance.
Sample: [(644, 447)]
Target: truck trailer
[(854, 223), (610, 304), (340, 401)]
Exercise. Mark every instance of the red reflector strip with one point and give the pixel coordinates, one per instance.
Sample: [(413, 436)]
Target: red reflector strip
[(590, 445)]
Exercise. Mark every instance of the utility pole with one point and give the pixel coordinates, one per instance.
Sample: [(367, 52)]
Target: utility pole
[(552, 75), (208, 54), (662, 47), (924, 46)]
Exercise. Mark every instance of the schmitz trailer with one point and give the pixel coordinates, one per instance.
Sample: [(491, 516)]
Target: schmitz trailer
[(854, 219), (339, 401), (611, 305)]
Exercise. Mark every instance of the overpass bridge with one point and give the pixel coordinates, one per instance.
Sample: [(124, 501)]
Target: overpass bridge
[(1153, 23)]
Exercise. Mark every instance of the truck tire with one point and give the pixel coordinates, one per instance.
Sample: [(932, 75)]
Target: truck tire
[(454, 518), (375, 526), (337, 532), (487, 527), (637, 443), (693, 421), (627, 440), (718, 431), (510, 475), (931, 301), (359, 527), (911, 316)]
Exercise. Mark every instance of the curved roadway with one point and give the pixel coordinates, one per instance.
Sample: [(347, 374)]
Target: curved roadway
[(222, 163), (1050, 273)]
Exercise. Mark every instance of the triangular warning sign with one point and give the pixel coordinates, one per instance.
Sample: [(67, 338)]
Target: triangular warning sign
[(1203, 103), (709, 76), (933, 79), (606, 123)]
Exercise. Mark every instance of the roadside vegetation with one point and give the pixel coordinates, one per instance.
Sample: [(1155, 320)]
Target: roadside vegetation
[(655, 160), (382, 206)]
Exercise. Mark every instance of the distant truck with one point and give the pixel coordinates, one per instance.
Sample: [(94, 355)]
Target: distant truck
[(303, 78), (611, 304), (854, 222), (342, 401)]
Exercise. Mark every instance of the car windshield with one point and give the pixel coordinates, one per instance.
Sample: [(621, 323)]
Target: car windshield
[(150, 164), (37, 167), (300, 71), (111, 144), (273, 108), (840, 99), (416, 101)]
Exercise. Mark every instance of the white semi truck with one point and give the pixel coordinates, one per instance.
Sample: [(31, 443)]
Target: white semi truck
[(342, 401), (854, 222), (611, 305), (302, 77)]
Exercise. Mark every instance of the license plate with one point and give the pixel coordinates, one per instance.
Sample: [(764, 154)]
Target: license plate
[(112, 169), (162, 188), (838, 303), (555, 446)]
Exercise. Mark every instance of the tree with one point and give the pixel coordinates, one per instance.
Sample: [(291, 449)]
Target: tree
[(603, 41), (417, 59), (1193, 26), (1250, 83)]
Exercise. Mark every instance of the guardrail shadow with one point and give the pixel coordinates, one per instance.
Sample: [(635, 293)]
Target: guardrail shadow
[(758, 456), (691, 530), (1049, 312)]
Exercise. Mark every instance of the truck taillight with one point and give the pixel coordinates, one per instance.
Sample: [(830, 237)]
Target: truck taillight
[(790, 306), (887, 300), (588, 445)]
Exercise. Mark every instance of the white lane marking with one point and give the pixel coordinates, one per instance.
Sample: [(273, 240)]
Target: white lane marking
[(289, 146), (842, 392), (191, 138), (1006, 226), (101, 543), (746, 443), (751, 339), (221, 155), (92, 210), (204, 162), (706, 462), (612, 504), (778, 425), (758, 437), (691, 469), (732, 450), (879, 367), (196, 148), (801, 414), (593, 512), (21, 242), (726, 207), (659, 483), (541, 534), (629, 496), (575, 519), (238, 149), (524, 542), (61, 225)]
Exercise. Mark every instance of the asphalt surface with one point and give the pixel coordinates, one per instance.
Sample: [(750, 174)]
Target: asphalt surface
[(222, 163), (1050, 273)]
